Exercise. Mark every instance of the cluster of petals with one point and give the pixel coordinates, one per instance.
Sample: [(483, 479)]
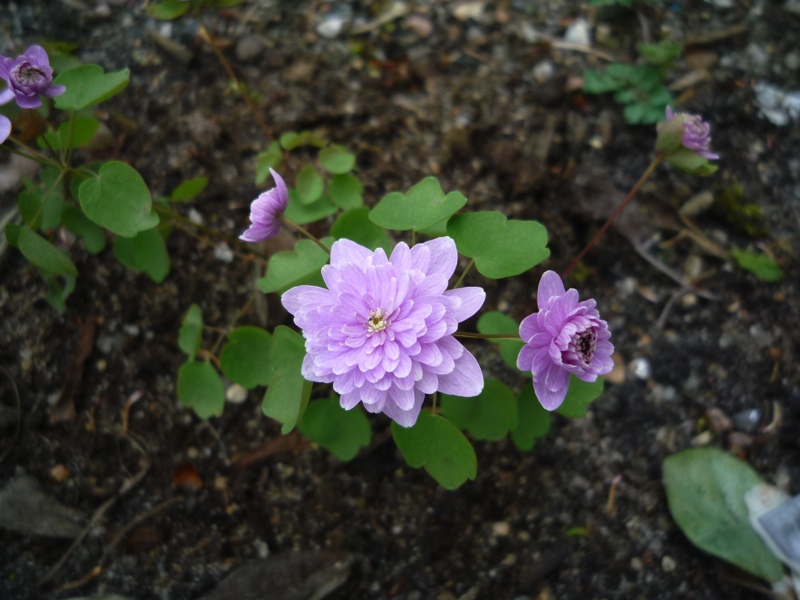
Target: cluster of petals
[(382, 331), (696, 133), (565, 337), (28, 76), (264, 212)]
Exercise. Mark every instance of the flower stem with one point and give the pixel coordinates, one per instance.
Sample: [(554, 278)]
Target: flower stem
[(464, 273), (645, 176), (305, 232), (209, 37), (34, 155), (488, 336), (37, 118), (227, 331)]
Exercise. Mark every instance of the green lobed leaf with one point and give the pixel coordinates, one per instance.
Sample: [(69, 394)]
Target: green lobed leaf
[(500, 247), (266, 160), (439, 446), (200, 388), (12, 232), (93, 236), (661, 54), (341, 432), (118, 199), (580, 395), (189, 189), (488, 416), (83, 131), (292, 267), (534, 420), (308, 213), (496, 322), (309, 185), (168, 9), (345, 191), (337, 159), (705, 492), (191, 331), (44, 255), (146, 253), (88, 85), (291, 140), (355, 225), (288, 393), (59, 288), (424, 205), (760, 265), (245, 357)]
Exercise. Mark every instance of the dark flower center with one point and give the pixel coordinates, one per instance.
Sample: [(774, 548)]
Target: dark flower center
[(585, 344), (26, 73)]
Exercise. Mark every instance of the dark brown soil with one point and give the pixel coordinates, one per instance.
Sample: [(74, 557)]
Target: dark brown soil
[(468, 103)]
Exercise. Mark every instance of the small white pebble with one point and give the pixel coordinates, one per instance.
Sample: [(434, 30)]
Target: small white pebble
[(223, 253), (501, 529), (236, 394), (668, 564)]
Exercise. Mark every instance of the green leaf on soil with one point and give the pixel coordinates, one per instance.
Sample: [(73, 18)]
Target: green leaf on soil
[(309, 185), (93, 236), (292, 267), (291, 140), (146, 253), (88, 85), (59, 288), (245, 357), (118, 199), (200, 388), (168, 9), (82, 133), (266, 160), (439, 446), (44, 255), (355, 225), (345, 191), (760, 265), (288, 393), (534, 420), (189, 189), (500, 247), (705, 491), (191, 331), (341, 432), (337, 159), (496, 322), (424, 205), (488, 416), (308, 213), (580, 395)]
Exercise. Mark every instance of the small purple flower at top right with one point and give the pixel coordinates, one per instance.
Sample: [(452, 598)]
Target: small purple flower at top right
[(696, 133), (684, 140), (565, 337)]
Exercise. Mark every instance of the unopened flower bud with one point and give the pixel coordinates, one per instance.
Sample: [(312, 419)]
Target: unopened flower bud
[(683, 141)]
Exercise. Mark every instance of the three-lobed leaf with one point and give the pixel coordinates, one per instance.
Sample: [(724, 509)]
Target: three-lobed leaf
[(146, 252), (200, 388), (488, 416), (118, 199), (533, 422), (88, 85), (245, 357), (424, 205), (93, 236), (705, 492), (309, 185), (307, 213), (439, 446), (356, 226), (341, 432), (288, 392), (337, 159), (580, 395), (500, 247), (292, 267), (345, 191)]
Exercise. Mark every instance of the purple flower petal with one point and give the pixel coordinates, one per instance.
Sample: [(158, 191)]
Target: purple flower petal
[(6, 96), (37, 56), (28, 101), (382, 331), (264, 212), (5, 128), (54, 90), (565, 337)]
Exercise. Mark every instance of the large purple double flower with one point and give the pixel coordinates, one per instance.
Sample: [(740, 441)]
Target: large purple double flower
[(28, 76), (565, 336), (382, 332)]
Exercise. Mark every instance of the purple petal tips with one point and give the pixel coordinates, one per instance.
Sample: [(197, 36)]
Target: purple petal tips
[(28, 77), (684, 141), (565, 337), (264, 212), (382, 331)]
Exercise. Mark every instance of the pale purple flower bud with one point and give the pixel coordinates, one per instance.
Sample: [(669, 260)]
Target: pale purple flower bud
[(28, 76), (565, 337), (382, 331), (264, 212), (696, 133)]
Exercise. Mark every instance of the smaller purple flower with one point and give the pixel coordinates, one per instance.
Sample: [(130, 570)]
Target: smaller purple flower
[(565, 336), (264, 212), (5, 128), (696, 133), (28, 77)]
